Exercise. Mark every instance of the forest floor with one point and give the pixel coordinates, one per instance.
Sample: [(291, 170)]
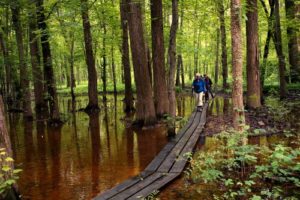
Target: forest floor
[(275, 117)]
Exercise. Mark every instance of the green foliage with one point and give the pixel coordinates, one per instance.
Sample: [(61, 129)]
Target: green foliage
[(245, 171), (8, 175)]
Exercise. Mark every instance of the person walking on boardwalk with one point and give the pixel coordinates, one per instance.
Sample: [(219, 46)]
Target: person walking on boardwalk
[(208, 84), (199, 88)]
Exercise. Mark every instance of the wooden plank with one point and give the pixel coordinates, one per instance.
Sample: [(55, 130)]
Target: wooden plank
[(156, 162), (137, 187), (123, 186), (168, 162), (181, 162), (155, 186)]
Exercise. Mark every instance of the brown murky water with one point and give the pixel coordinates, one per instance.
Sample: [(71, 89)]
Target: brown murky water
[(87, 155)]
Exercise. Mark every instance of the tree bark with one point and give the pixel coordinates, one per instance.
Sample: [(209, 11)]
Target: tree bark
[(279, 50), (103, 74), (253, 77), (37, 72), (182, 71), (223, 44), (89, 58), (72, 76), (47, 62), (113, 68), (172, 58), (217, 58), (237, 66), (125, 58), (159, 74), (294, 55), (25, 89), (145, 110)]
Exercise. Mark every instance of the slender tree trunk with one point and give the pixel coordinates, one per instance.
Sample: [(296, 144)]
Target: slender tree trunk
[(182, 71), (104, 65), (25, 89), (37, 72), (217, 58), (47, 62), (237, 66), (113, 68), (223, 44), (145, 110), (294, 55), (159, 74), (125, 58), (89, 57), (172, 58), (279, 50), (253, 77), (177, 82), (72, 76), (149, 64), (265, 58)]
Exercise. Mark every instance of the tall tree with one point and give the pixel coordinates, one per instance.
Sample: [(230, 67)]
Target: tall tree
[(294, 54), (278, 47), (172, 58), (160, 85), (47, 62), (125, 57), (24, 80), (223, 43), (37, 73), (237, 66), (217, 57), (104, 61), (253, 77), (89, 57), (145, 110)]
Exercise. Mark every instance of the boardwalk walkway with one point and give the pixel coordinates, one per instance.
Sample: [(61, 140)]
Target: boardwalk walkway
[(165, 167)]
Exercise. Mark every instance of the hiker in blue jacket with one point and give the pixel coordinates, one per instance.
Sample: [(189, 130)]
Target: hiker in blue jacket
[(199, 89)]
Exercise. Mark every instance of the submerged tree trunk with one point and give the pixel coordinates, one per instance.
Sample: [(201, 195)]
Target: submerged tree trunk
[(294, 54), (37, 72), (47, 62), (125, 58), (223, 44), (145, 110), (279, 50), (172, 58), (24, 80), (89, 58), (159, 74), (253, 77), (237, 66), (217, 58)]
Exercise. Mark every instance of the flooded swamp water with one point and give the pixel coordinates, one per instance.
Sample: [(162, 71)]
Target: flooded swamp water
[(92, 153)]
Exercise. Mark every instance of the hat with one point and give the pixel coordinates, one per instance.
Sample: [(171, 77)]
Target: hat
[(197, 74)]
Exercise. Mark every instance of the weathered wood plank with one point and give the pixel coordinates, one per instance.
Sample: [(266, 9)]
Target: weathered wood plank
[(181, 162), (168, 162), (123, 186), (158, 184), (137, 187), (153, 166)]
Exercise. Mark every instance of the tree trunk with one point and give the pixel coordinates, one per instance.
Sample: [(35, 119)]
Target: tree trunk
[(24, 80), (47, 62), (72, 76), (182, 71), (160, 84), (37, 72), (113, 68), (294, 55), (103, 75), (177, 82), (237, 66), (145, 110), (279, 50), (223, 44), (172, 58), (253, 77), (125, 58), (89, 58), (149, 64), (217, 58)]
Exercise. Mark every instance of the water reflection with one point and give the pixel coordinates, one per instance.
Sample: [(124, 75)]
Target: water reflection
[(88, 154)]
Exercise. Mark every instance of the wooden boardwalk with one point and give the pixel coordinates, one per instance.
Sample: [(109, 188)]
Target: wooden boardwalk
[(165, 167)]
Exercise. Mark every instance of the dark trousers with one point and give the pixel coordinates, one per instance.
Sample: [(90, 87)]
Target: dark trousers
[(208, 91)]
